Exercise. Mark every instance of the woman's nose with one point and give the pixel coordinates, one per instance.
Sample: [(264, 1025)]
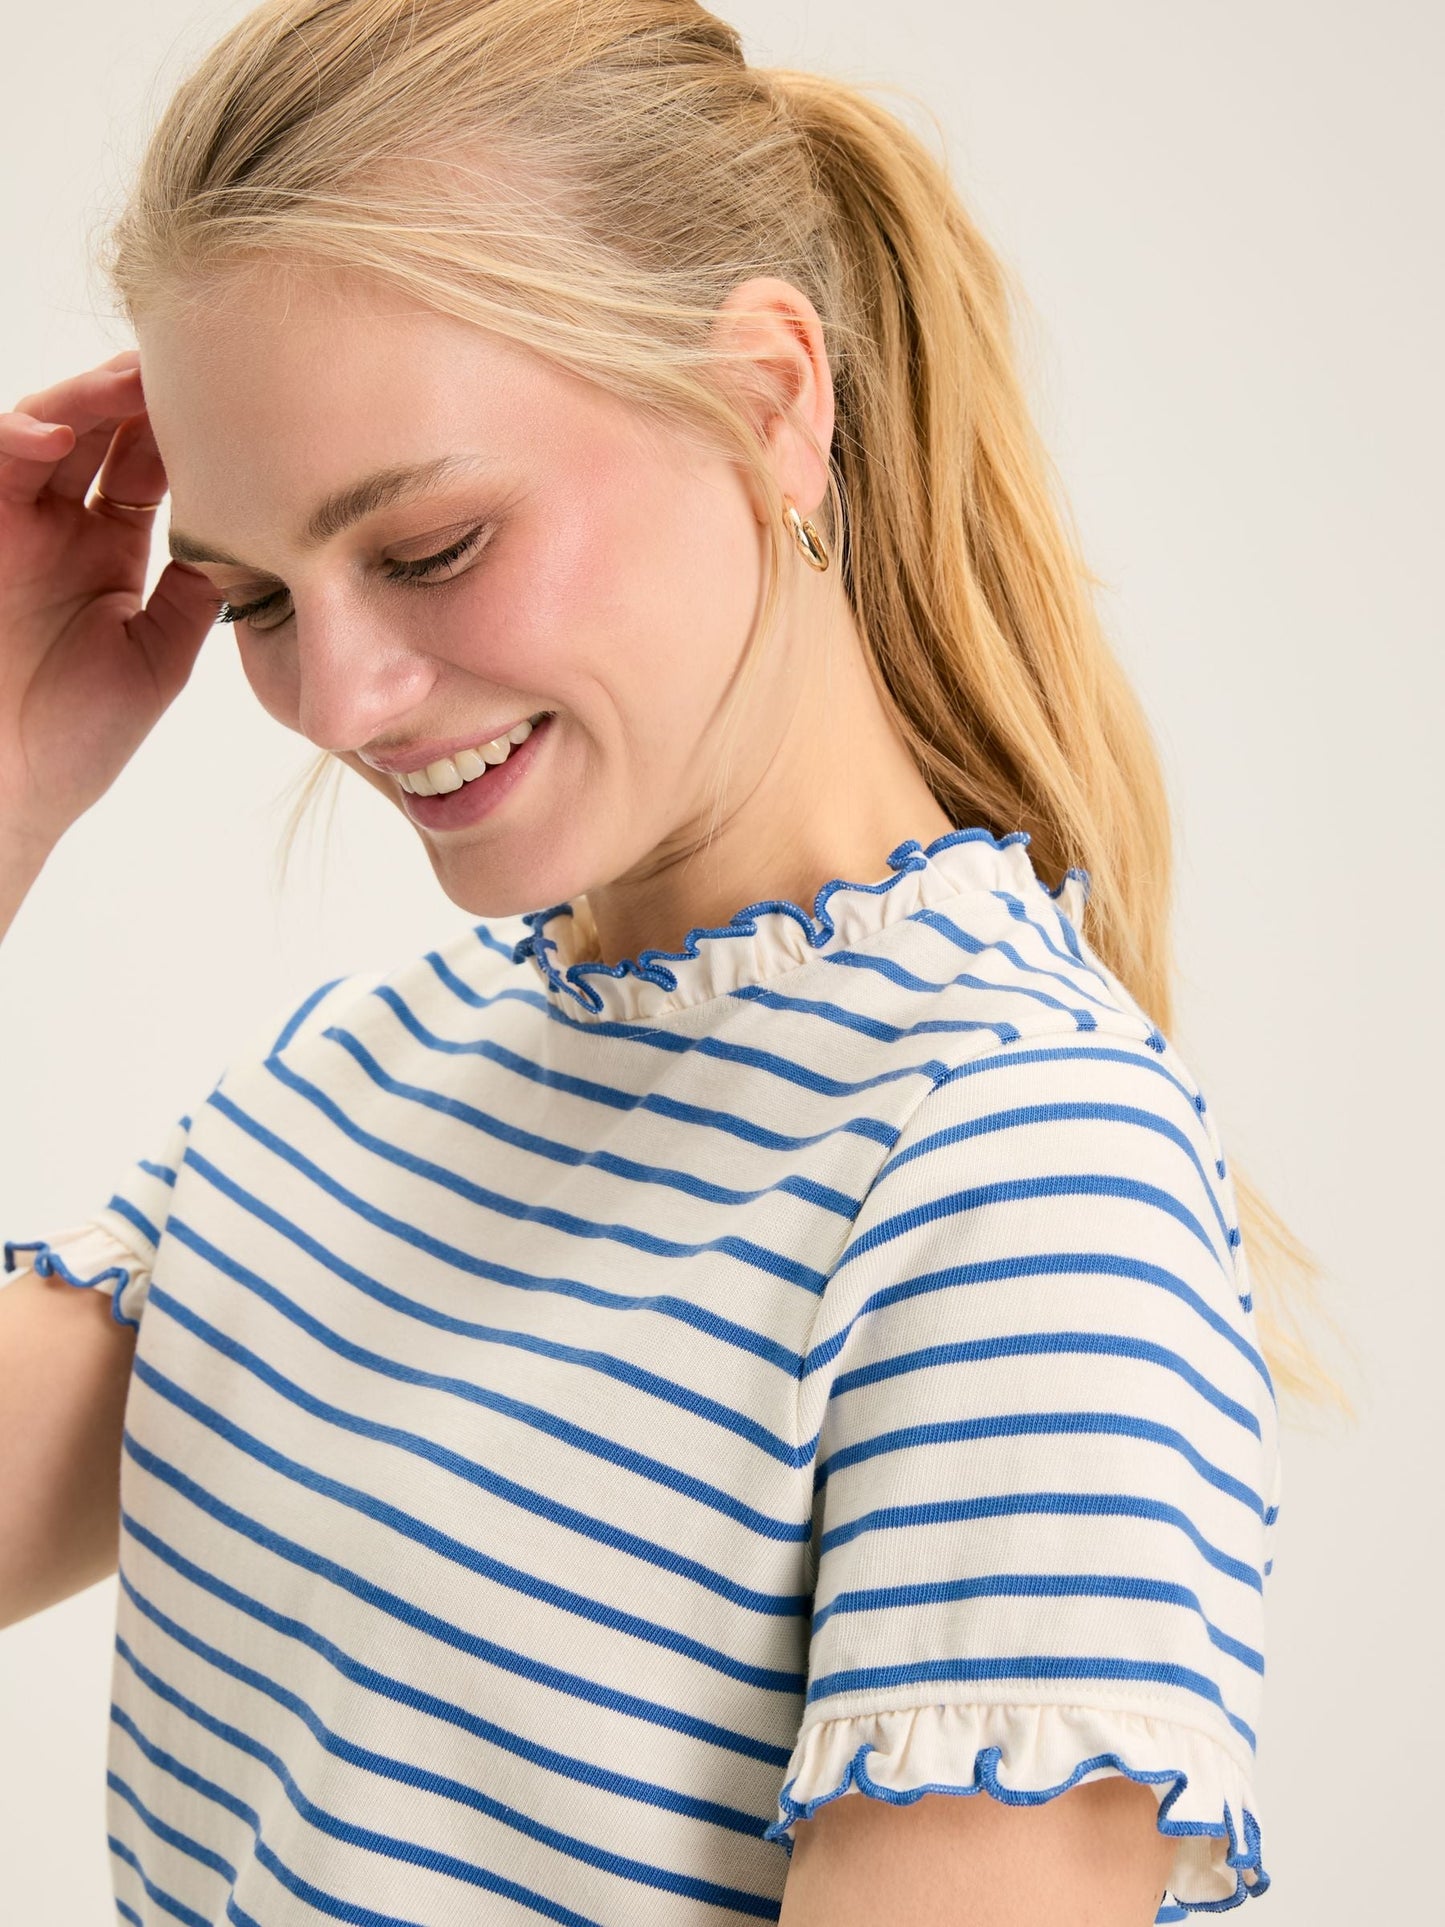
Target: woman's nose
[(356, 679)]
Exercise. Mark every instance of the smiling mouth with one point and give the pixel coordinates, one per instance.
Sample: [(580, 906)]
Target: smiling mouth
[(450, 773)]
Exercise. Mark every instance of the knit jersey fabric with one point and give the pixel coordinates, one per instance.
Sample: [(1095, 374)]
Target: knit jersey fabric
[(584, 1418)]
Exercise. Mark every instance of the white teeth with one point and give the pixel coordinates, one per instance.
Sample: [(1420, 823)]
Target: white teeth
[(444, 776), (449, 773)]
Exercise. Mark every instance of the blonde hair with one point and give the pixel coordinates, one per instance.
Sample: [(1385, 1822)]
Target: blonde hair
[(590, 179)]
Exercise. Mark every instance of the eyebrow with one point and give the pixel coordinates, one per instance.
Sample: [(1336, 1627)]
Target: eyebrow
[(382, 489)]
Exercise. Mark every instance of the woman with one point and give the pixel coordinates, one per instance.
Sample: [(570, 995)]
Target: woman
[(771, 1324)]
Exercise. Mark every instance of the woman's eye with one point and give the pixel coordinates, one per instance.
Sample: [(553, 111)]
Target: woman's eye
[(243, 611), (417, 572)]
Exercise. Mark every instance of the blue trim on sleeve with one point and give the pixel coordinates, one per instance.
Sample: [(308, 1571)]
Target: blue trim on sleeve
[(49, 1264), (1241, 1858)]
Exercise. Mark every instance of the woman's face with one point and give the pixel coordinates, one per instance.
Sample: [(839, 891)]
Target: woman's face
[(611, 575)]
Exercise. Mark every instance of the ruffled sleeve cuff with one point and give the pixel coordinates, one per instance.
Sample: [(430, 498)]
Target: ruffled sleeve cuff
[(1024, 1755), (90, 1256)]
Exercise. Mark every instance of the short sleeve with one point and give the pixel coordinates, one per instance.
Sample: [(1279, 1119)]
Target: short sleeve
[(114, 1249), (1044, 1471)]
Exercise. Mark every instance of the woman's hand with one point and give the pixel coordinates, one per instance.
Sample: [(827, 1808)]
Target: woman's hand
[(86, 666)]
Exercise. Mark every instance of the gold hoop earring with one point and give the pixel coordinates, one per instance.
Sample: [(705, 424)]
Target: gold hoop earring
[(807, 537)]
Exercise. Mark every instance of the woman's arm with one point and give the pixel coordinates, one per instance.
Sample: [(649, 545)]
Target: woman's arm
[(64, 1372), (1091, 1857)]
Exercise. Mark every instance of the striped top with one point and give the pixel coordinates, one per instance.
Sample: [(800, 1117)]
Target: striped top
[(586, 1417)]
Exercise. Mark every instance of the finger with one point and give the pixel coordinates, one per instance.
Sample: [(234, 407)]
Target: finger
[(29, 450), (86, 398), (132, 471), (76, 471), (90, 406), (27, 453), (177, 617)]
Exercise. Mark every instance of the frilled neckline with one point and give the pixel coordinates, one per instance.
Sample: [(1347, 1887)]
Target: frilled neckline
[(770, 937)]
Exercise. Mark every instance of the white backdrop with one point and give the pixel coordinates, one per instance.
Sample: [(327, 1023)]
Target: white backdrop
[(1228, 218)]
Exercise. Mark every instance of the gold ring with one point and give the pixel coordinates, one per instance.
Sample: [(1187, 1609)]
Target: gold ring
[(110, 501)]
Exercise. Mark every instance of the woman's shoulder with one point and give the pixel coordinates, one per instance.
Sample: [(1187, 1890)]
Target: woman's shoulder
[(1013, 982), (468, 965)]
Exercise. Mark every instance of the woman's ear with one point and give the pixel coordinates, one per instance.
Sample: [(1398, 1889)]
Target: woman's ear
[(781, 372)]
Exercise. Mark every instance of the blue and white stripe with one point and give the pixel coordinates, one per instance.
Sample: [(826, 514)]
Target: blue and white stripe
[(583, 1418)]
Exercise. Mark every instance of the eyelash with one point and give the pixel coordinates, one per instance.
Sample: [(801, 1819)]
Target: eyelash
[(414, 572)]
